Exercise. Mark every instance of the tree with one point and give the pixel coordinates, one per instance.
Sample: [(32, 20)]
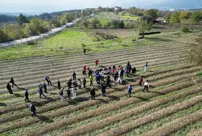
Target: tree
[(55, 23), (21, 19), (3, 36), (196, 16), (121, 24), (86, 23), (143, 26), (195, 51), (185, 15), (95, 23), (133, 11), (152, 12), (36, 27), (13, 31), (115, 23), (175, 18)]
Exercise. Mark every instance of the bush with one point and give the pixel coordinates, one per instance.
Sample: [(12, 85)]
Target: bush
[(185, 29), (104, 36)]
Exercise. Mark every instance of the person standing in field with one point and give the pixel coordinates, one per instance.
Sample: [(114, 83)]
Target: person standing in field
[(26, 95), (103, 89), (146, 86), (13, 82), (48, 81), (134, 70), (116, 75), (74, 76), (33, 109), (108, 81), (61, 94), (113, 70), (84, 70), (130, 88), (92, 93), (84, 51), (90, 72), (145, 66), (45, 87), (140, 81), (91, 80), (96, 62), (97, 77), (69, 93), (40, 90), (69, 84), (84, 82), (59, 84), (9, 88)]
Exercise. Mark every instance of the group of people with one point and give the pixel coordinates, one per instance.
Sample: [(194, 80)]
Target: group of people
[(102, 78)]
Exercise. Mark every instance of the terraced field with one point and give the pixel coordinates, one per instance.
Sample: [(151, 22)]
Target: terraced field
[(171, 107)]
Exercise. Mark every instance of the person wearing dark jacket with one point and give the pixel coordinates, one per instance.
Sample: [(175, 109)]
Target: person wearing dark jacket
[(13, 82), (8, 86), (84, 82), (90, 72), (103, 89), (108, 81), (40, 90), (26, 95), (33, 109), (74, 76), (48, 81), (45, 87), (92, 93), (59, 84), (116, 75)]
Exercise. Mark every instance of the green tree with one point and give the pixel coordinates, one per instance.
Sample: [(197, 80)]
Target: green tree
[(121, 24), (3, 36), (115, 23), (175, 18), (95, 23), (185, 15), (196, 16), (143, 26), (55, 23), (13, 31), (36, 27), (152, 12), (21, 19), (86, 23)]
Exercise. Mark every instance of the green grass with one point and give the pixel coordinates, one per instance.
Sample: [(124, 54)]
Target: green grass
[(199, 73), (70, 40)]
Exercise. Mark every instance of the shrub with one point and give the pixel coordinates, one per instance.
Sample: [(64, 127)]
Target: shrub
[(185, 29)]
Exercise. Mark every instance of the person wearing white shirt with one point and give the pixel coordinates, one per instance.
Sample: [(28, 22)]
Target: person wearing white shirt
[(146, 86)]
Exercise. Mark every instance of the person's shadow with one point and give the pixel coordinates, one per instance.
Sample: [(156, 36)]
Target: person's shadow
[(44, 119), (3, 104)]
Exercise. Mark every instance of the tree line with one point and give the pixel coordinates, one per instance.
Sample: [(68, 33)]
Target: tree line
[(34, 26)]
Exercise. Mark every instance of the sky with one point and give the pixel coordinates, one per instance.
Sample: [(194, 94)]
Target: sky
[(41, 6)]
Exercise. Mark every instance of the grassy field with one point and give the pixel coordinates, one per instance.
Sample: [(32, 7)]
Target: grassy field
[(114, 16), (171, 107), (70, 41)]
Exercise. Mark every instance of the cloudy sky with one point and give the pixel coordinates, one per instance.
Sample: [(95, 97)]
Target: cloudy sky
[(39, 6)]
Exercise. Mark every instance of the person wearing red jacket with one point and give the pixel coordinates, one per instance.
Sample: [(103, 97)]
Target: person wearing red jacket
[(96, 62), (141, 80)]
